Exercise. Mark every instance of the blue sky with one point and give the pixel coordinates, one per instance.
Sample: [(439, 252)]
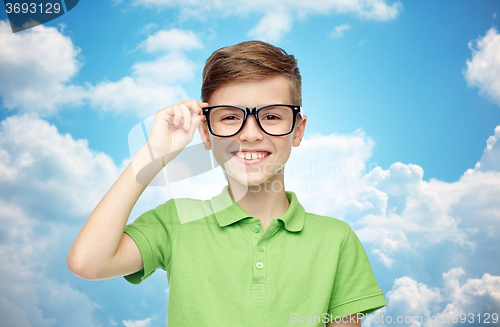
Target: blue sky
[(410, 87)]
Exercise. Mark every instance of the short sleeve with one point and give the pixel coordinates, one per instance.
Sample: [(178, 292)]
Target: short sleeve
[(153, 232), (355, 288)]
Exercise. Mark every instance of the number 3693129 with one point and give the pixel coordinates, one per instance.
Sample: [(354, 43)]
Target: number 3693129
[(41, 8)]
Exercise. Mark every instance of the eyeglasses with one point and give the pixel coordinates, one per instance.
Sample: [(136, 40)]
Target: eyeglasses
[(273, 119)]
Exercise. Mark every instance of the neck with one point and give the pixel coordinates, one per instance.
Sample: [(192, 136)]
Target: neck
[(265, 201)]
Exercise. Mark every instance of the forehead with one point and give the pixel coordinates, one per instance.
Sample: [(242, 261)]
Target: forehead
[(275, 89)]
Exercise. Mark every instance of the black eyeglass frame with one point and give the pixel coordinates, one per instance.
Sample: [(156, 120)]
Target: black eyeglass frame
[(253, 111)]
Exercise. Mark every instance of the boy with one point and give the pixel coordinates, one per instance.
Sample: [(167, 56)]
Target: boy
[(254, 257)]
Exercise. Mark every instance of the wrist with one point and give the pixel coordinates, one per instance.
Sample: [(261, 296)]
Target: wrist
[(146, 164), (155, 155)]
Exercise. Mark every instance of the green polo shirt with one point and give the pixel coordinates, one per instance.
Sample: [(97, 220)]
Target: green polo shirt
[(223, 270)]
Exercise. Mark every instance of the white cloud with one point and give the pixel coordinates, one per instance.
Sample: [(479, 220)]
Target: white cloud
[(338, 31), (172, 40), (408, 298), (483, 70), (49, 185), (413, 213), (47, 181), (412, 298), (384, 258), (395, 211), (473, 202), (28, 296), (137, 323), (35, 69), (399, 212), (367, 9), (279, 14), (272, 27), (39, 165), (166, 70), (129, 95), (148, 27), (331, 166), (491, 156), (154, 84), (379, 10)]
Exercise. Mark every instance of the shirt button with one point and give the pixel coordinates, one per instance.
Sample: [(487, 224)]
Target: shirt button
[(259, 265), (255, 228), (261, 248)]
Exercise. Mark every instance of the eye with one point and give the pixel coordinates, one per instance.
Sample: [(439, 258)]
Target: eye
[(230, 118), (271, 117)]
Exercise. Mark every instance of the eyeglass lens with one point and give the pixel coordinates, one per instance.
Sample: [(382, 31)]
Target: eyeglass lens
[(274, 120)]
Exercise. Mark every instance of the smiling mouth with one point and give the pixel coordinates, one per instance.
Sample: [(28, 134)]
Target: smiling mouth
[(250, 155)]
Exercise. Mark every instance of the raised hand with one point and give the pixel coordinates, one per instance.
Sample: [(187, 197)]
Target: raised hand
[(173, 128)]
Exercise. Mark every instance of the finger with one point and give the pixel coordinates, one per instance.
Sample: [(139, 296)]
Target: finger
[(192, 104), (177, 113), (167, 114), (197, 108), (194, 107), (184, 101), (186, 115), (203, 105), (195, 121)]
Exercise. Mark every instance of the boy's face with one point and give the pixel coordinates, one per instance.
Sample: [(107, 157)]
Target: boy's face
[(251, 139)]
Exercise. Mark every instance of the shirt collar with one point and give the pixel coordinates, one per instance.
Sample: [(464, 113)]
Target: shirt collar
[(227, 211)]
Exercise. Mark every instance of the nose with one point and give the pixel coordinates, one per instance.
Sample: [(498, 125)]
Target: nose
[(251, 132)]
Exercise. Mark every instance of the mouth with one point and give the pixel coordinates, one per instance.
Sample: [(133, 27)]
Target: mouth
[(251, 156)]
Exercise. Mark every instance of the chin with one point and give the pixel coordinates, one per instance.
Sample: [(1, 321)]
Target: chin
[(255, 180), (252, 175), (247, 181)]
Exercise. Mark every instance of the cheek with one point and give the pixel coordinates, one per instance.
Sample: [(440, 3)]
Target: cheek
[(285, 147), (221, 148)]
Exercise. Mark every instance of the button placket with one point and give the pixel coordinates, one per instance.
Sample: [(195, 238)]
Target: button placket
[(259, 257)]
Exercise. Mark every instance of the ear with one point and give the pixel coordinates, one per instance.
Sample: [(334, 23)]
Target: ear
[(298, 134), (205, 135)]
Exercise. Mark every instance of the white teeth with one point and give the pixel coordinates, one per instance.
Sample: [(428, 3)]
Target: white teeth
[(250, 156)]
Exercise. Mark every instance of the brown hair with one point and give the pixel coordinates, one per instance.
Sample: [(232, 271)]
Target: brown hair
[(247, 61)]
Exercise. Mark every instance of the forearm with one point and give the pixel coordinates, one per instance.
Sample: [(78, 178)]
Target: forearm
[(99, 238)]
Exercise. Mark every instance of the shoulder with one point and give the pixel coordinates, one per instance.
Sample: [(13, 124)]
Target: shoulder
[(186, 209), (327, 226), (182, 202), (326, 222)]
